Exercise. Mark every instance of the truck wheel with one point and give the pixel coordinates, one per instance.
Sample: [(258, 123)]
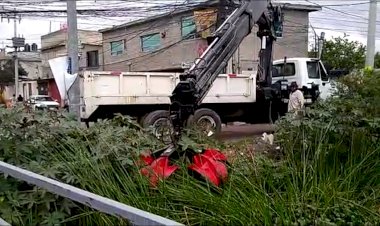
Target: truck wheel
[(141, 119), (207, 120), (160, 124)]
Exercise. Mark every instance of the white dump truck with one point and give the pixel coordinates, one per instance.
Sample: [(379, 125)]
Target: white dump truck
[(233, 97)]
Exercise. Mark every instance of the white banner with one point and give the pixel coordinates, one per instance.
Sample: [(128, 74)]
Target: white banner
[(63, 79)]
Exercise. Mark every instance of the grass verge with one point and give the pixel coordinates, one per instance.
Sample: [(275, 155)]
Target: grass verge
[(329, 172)]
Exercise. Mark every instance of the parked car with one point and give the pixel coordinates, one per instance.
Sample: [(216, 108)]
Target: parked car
[(42, 102)]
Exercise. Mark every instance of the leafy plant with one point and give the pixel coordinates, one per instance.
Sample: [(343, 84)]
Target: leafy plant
[(328, 173), (340, 53), (7, 72)]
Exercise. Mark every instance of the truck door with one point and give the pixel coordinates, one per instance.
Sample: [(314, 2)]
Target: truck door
[(317, 75), (325, 88)]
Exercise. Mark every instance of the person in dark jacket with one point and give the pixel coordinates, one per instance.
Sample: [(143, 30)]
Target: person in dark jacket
[(20, 98)]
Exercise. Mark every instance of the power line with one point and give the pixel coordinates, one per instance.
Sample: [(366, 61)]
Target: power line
[(292, 22), (306, 27), (91, 11), (325, 28), (151, 54), (347, 4), (157, 24), (339, 11)]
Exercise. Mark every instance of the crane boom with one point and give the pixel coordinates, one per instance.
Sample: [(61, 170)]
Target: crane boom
[(195, 83)]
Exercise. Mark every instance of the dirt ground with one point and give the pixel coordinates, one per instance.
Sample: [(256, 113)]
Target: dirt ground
[(246, 140), (237, 132)]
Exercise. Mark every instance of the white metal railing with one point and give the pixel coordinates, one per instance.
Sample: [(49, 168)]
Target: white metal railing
[(102, 204), (3, 223)]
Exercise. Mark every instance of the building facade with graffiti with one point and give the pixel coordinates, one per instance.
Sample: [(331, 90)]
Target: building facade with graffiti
[(172, 41)]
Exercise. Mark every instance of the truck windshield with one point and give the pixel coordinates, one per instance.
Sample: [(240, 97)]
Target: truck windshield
[(288, 70), (313, 69)]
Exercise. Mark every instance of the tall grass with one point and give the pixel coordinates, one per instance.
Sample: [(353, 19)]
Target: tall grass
[(329, 173), (321, 180)]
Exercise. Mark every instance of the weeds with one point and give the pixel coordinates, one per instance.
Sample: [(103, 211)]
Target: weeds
[(329, 172)]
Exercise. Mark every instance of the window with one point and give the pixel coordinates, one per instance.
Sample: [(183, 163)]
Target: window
[(92, 59), (283, 71), (117, 48), (313, 69), (188, 27), (150, 42)]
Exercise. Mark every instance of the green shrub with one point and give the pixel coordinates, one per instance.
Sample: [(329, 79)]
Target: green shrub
[(329, 173), (334, 151)]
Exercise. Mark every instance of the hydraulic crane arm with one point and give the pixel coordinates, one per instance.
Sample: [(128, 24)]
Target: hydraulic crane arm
[(195, 84)]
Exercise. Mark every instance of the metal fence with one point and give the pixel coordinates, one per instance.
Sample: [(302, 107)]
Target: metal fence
[(3, 223), (102, 204)]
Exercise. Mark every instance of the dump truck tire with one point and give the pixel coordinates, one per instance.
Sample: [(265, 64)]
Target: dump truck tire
[(209, 116), (153, 119)]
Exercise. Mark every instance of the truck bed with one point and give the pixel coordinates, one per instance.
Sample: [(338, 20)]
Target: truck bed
[(100, 88)]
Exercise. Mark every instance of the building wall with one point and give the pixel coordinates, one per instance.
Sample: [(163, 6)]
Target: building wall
[(53, 39), (293, 44), (48, 54), (55, 45), (168, 58), (33, 69), (58, 37), (28, 88), (83, 56), (29, 61)]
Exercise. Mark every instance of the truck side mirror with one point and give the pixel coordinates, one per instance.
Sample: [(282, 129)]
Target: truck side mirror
[(328, 68)]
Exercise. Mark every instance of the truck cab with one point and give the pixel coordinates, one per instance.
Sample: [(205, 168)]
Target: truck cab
[(309, 73)]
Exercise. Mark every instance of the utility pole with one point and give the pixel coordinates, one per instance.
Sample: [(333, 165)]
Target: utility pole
[(316, 44), (72, 52), (17, 42), (371, 36), (16, 59), (320, 45)]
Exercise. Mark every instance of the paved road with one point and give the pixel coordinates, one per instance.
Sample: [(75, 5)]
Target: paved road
[(236, 132)]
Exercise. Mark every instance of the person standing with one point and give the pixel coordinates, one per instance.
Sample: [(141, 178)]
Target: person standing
[(20, 98), (296, 100)]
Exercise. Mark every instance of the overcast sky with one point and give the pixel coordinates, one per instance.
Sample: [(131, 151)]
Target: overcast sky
[(336, 18)]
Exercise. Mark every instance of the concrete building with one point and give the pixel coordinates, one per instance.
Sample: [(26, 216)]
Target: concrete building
[(54, 45), (168, 41), (30, 61)]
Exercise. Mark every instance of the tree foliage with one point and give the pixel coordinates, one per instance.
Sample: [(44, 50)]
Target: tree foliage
[(7, 72), (377, 60), (340, 53)]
